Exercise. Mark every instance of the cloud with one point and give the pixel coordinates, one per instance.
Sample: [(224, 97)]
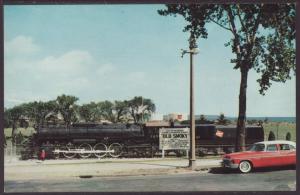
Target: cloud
[(20, 45), (104, 69), (29, 77), (72, 62), (136, 76)]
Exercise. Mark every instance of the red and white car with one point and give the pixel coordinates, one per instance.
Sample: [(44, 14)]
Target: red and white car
[(262, 154)]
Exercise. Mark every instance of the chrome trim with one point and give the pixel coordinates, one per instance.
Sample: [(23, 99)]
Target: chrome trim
[(228, 164)]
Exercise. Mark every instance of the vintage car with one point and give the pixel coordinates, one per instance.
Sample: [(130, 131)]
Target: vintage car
[(262, 154)]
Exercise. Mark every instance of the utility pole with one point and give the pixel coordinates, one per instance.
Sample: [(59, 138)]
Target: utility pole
[(142, 110), (277, 130), (192, 154)]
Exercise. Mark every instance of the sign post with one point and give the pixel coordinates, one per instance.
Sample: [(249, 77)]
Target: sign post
[(174, 139)]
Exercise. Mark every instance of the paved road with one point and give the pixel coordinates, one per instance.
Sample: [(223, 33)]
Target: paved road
[(282, 179)]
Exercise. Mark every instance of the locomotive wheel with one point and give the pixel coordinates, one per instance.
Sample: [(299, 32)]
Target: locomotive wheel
[(56, 155), (69, 147), (102, 147), (148, 153), (117, 150), (85, 147)]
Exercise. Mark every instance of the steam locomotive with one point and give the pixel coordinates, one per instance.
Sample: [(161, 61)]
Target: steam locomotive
[(84, 140)]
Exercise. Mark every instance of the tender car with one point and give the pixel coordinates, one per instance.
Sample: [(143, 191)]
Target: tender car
[(262, 154)]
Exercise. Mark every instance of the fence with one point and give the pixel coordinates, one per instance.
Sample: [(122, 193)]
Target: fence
[(12, 152)]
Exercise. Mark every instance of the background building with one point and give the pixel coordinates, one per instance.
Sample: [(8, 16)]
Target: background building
[(175, 117)]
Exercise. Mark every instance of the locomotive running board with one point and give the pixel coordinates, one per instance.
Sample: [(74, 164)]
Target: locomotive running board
[(84, 152)]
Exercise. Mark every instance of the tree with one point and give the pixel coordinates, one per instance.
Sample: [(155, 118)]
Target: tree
[(260, 122), (37, 111), (141, 108), (263, 39), (89, 112), (106, 110), (288, 136), (266, 120), (271, 136), (13, 116), (7, 121), (222, 120), (202, 118), (66, 106), (252, 121), (120, 110)]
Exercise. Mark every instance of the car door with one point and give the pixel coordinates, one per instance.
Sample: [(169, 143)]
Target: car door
[(272, 156), (287, 154)]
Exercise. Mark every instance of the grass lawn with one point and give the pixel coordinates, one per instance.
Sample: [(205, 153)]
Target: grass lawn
[(26, 132)]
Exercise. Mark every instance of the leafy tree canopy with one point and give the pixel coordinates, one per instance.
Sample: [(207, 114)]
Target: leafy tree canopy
[(263, 34)]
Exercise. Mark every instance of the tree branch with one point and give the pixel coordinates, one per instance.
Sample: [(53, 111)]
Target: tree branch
[(253, 33), (242, 23), (233, 29), (231, 21), (256, 25), (219, 24)]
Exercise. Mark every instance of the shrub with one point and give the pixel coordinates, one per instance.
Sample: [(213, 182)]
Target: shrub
[(288, 136), (271, 136)]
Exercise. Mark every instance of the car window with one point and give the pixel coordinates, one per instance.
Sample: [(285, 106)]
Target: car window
[(292, 147), (272, 147), (257, 147), (284, 147)]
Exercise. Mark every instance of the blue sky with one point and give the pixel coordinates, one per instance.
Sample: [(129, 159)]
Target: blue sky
[(116, 52)]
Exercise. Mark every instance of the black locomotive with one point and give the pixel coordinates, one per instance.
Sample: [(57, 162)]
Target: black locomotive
[(127, 140)]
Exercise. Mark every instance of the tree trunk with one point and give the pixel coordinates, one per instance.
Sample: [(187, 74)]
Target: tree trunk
[(241, 129), (13, 132)]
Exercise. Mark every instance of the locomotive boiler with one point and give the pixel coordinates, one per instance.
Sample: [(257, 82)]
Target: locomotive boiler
[(84, 140)]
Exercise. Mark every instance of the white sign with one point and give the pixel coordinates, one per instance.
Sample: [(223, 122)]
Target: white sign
[(174, 138)]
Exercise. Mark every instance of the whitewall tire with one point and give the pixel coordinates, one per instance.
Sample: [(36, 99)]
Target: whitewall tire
[(245, 166)]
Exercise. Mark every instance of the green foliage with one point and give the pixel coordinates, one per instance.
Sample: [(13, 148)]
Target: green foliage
[(288, 136), (13, 116), (6, 118), (266, 120), (260, 122), (114, 112), (271, 136), (37, 111), (263, 39), (121, 110), (89, 112), (252, 121), (65, 105), (140, 108), (106, 110), (263, 35), (19, 138), (222, 120), (203, 120)]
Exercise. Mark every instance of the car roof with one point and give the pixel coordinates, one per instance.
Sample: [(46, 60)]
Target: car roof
[(278, 142)]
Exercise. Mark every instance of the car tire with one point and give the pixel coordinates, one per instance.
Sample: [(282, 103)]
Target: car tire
[(245, 166)]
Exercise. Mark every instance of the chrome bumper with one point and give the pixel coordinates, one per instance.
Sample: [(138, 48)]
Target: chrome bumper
[(228, 164)]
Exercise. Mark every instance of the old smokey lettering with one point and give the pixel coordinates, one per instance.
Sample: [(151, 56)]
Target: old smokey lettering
[(174, 138)]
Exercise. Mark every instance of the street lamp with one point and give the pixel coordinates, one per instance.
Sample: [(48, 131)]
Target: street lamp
[(192, 154)]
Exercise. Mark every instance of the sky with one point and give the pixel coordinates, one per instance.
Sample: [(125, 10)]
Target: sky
[(116, 52)]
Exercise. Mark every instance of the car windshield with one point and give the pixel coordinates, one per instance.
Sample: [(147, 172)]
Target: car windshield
[(257, 147)]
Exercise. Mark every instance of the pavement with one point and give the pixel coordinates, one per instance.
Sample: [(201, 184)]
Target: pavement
[(84, 168)]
